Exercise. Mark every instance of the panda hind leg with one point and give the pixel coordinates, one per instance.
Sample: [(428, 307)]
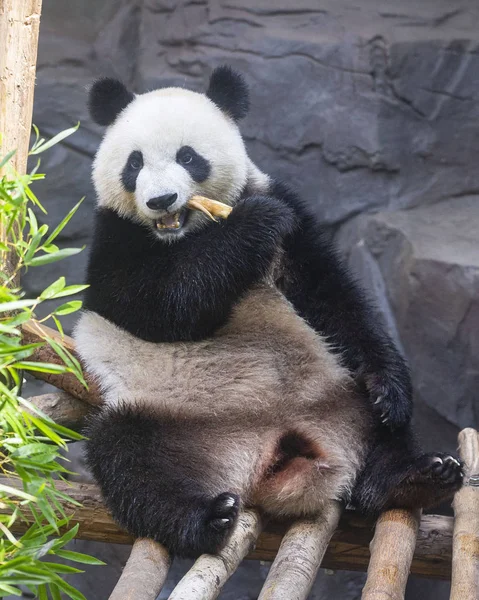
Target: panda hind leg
[(157, 485), (398, 475)]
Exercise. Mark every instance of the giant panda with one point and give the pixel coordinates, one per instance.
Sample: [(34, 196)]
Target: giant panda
[(240, 364)]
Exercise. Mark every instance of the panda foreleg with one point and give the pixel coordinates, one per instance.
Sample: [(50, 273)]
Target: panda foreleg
[(398, 475), (156, 481), (324, 293)]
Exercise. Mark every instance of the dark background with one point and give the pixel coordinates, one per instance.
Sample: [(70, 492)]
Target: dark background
[(369, 107)]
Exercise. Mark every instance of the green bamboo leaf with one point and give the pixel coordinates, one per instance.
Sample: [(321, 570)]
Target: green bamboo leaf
[(59, 228), (71, 289), (46, 259), (16, 304), (55, 592), (68, 308), (33, 173), (47, 512), (55, 139), (78, 557), (19, 349), (33, 449), (70, 590), (33, 222), (8, 589), (41, 367), (67, 537), (65, 432), (16, 492), (53, 289), (59, 325), (37, 136), (44, 428), (6, 158), (50, 248), (32, 247), (58, 568)]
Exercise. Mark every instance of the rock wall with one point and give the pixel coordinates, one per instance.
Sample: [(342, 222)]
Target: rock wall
[(370, 108)]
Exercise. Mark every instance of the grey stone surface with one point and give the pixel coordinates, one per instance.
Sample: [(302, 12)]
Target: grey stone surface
[(426, 260), (370, 108)]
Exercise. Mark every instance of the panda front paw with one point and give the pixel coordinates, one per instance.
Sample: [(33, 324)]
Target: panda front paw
[(263, 215), (391, 398)]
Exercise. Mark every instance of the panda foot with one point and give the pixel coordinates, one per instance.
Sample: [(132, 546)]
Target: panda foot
[(223, 513), (432, 479), (442, 469)]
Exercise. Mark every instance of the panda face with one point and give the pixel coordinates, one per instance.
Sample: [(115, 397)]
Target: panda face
[(161, 149)]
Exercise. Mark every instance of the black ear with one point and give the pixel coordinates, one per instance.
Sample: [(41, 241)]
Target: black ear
[(108, 97), (229, 92)]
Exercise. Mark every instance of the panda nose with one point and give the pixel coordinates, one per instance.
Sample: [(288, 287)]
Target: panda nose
[(161, 202)]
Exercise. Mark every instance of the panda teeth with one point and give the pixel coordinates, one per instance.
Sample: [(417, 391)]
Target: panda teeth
[(171, 225)]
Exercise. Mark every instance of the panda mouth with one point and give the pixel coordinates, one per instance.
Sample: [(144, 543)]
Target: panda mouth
[(171, 221)]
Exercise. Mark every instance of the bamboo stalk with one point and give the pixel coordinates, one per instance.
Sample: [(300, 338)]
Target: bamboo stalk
[(209, 573), (34, 332), (465, 553), (348, 549), (392, 551), (145, 572), (294, 570)]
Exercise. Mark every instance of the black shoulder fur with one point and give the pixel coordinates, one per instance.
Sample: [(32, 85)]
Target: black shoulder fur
[(186, 290)]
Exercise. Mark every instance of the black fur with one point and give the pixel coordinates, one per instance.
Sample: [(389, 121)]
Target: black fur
[(108, 97), (398, 475), (228, 90), (326, 296), (186, 290), (131, 170), (197, 166), (155, 487)]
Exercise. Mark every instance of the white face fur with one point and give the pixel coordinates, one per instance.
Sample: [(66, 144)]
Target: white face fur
[(166, 142)]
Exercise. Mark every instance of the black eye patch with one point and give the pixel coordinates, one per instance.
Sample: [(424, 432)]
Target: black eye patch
[(133, 166), (197, 166)]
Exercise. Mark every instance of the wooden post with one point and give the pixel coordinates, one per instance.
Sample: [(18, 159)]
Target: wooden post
[(465, 549), (19, 26), (294, 570), (209, 573), (145, 572), (392, 550)]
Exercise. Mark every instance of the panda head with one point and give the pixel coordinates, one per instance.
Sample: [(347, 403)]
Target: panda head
[(162, 147)]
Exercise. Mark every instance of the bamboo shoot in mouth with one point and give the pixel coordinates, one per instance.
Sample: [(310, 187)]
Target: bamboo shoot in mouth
[(211, 208)]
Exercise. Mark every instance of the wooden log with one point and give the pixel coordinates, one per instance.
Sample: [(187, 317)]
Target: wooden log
[(392, 551), (209, 573), (299, 556), (348, 549), (145, 572), (34, 332), (465, 553), (63, 408), (19, 26)]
